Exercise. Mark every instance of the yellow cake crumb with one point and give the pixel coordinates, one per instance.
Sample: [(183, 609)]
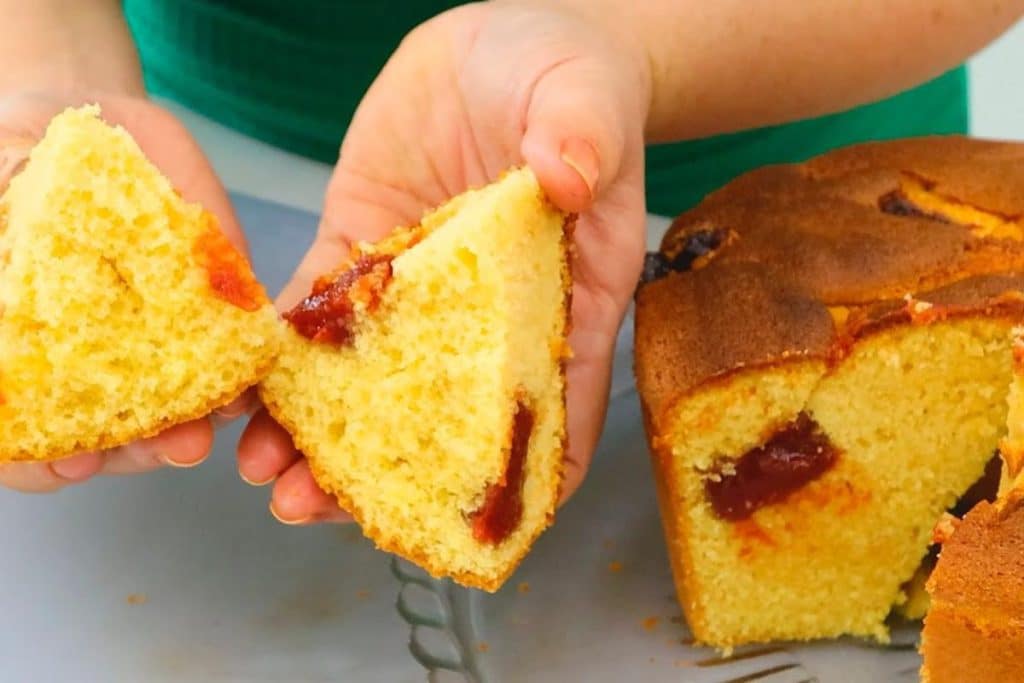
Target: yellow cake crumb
[(115, 325), (410, 417)]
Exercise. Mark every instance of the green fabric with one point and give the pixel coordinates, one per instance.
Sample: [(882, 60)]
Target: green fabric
[(291, 72)]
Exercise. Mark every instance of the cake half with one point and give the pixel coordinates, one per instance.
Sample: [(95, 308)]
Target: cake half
[(424, 381), (823, 354), (123, 309)]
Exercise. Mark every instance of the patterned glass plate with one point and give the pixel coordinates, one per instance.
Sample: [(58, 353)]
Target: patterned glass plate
[(594, 601)]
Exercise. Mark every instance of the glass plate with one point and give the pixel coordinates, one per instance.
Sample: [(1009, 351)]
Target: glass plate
[(594, 601)]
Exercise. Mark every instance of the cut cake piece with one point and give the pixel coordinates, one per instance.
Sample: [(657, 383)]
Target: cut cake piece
[(425, 381), (123, 309)]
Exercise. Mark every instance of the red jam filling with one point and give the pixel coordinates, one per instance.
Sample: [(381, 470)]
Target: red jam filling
[(229, 274), (897, 204), (696, 245), (796, 455), (502, 509), (328, 314)]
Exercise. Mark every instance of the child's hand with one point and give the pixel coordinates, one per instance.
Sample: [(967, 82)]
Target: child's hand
[(165, 141), (467, 95)]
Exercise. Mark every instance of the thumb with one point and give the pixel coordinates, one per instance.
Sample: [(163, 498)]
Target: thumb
[(354, 210), (575, 135)]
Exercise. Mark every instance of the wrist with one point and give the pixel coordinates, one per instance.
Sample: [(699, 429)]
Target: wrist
[(57, 45)]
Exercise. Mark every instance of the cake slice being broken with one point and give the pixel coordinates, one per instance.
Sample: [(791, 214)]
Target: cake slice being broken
[(123, 309), (425, 382)]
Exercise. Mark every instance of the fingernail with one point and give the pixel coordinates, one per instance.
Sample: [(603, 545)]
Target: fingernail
[(581, 156), (75, 468), (289, 522), (177, 464), (12, 159), (244, 404), (252, 482), (220, 420), (156, 448)]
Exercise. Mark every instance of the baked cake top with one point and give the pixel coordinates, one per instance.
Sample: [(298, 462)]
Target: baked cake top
[(801, 259)]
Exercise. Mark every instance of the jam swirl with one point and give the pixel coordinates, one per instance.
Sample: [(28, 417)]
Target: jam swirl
[(328, 314), (794, 456), (502, 509)]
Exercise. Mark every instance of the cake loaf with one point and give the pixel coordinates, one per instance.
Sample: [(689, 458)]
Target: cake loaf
[(824, 359)]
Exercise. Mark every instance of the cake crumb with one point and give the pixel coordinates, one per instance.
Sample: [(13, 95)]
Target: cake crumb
[(682, 663), (609, 543), (944, 528), (483, 646), (363, 594), (136, 599), (523, 587), (650, 623), (615, 566), (677, 619)]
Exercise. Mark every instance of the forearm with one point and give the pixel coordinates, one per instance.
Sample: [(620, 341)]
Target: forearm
[(733, 64), (68, 45)]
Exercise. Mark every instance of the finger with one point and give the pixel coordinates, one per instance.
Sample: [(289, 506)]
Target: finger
[(131, 459), (265, 450), (356, 208), (14, 153), (327, 253), (588, 376), (45, 477), (576, 133), (246, 404), (298, 500), (605, 272), (184, 445)]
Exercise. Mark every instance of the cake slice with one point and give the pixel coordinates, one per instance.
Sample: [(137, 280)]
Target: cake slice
[(424, 381), (824, 358), (974, 630), (123, 309)]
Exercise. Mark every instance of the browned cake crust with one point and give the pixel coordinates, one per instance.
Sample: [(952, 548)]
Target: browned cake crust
[(805, 258), (974, 630)]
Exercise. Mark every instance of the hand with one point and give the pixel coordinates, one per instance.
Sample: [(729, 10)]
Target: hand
[(23, 119), (467, 95)]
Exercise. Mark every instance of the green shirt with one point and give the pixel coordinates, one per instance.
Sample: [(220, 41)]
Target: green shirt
[(291, 72)]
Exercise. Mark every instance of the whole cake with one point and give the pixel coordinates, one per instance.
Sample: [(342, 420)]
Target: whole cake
[(424, 381), (123, 308), (823, 355)]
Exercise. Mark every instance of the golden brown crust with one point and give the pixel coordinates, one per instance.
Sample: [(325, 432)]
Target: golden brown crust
[(979, 568), (694, 326), (676, 539), (810, 247)]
